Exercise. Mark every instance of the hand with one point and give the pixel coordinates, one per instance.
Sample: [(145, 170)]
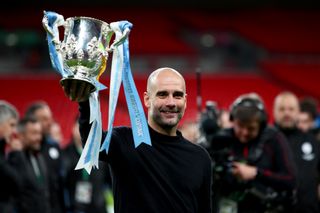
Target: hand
[(15, 144), (243, 171), (77, 90)]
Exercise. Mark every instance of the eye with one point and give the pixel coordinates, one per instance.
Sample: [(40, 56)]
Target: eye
[(162, 94), (178, 95)]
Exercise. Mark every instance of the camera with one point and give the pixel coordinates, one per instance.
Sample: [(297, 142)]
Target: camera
[(208, 123)]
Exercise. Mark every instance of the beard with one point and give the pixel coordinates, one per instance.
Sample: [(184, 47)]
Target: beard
[(287, 123), (165, 122)]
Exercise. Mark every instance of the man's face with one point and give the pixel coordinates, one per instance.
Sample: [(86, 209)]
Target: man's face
[(8, 129), (286, 109), (166, 101), (305, 122), (32, 136), (246, 131), (44, 115)]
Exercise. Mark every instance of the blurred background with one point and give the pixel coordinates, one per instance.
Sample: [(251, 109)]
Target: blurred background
[(264, 46)]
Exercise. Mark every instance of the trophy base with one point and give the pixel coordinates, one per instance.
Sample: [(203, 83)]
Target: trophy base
[(78, 82)]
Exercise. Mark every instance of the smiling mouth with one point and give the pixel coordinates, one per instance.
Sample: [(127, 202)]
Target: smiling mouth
[(169, 112)]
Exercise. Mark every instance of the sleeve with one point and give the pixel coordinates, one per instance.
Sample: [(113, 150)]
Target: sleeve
[(84, 125), (84, 118), (283, 177)]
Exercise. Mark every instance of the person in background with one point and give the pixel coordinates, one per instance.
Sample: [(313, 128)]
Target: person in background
[(10, 183), (253, 168), (305, 148), (308, 115), (85, 193), (34, 196), (51, 152), (56, 133), (224, 119), (190, 130)]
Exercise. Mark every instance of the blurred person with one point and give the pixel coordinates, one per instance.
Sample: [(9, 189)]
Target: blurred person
[(253, 169), (10, 180), (224, 119), (173, 175), (34, 196), (190, 131), (85, 193), (56, 133), (308, 115), (305, 150), (51, 152)]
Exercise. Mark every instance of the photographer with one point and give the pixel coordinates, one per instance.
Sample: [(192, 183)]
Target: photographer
[(253, 169)]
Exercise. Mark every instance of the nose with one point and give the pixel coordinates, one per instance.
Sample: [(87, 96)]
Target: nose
[(170, 101)]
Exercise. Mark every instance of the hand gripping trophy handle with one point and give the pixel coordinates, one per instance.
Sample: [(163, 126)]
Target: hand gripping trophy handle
[(82, 55)]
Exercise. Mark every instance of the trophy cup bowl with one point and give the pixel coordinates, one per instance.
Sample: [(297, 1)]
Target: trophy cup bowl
[(84, 50)]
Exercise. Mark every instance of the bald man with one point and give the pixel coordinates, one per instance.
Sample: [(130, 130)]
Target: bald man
[(173, 175), (305, 149)]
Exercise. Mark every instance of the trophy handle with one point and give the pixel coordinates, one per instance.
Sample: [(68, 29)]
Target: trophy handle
[(119, 40), (51, 21)]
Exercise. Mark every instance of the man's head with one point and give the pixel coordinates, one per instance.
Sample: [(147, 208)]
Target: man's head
[(42, 112), (248, 116), (285, 110), (165, 100), (8, 120), (308, 114), (30, 133)]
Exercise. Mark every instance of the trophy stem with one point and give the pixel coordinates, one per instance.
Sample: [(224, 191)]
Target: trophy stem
[(79, 84)]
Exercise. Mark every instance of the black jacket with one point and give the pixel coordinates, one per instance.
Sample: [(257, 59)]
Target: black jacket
[(34, 196), (306, 152), (269, 152), (96, 184), (51, 153), (10, 182)]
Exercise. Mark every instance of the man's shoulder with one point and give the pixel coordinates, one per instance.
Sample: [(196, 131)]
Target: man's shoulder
[(197, 149)]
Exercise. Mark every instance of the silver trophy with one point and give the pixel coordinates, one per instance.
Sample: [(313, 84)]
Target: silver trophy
[(83, 53)]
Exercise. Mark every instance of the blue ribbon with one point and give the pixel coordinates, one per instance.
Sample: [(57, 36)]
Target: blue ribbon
[(137, 117), (53, 21)]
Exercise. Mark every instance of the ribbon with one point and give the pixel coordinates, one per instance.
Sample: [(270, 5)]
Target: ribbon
[(51, 21), (121, 62), (90, 154)]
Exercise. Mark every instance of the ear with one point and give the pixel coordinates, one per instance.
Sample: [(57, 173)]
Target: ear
[(146, 99), (185, 97)]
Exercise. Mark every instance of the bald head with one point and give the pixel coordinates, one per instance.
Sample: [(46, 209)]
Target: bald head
[(286, 109), (164, 72), (165, 99)]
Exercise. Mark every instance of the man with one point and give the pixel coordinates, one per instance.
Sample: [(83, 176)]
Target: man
[(51, 152), (173, 175), (305, 148), (253, 166), (29, 163), (10, 181), (307, 116), (86, 193)]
